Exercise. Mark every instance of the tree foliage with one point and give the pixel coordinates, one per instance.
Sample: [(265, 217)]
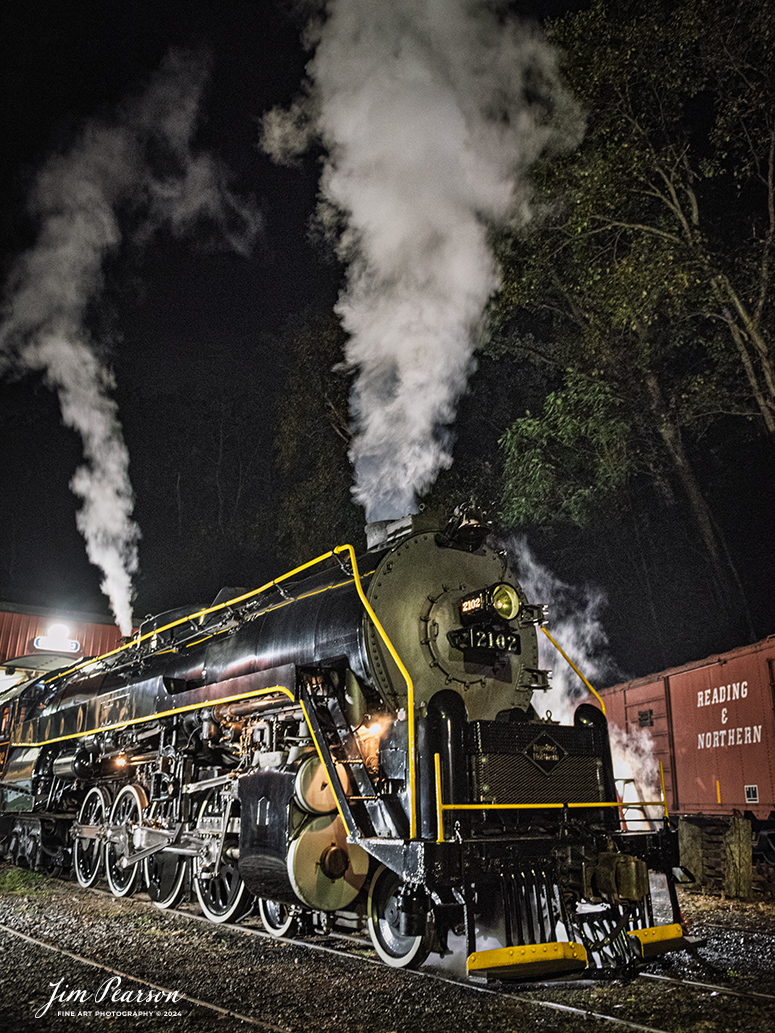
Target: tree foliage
[(649, 267), (571, 456), (315, 509)]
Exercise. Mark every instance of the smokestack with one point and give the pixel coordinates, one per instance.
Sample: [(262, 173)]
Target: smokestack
[(385, 532)]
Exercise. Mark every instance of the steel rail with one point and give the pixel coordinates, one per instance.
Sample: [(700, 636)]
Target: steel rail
[(198, 1002), (522, 999), (237, 927), (499, 993), (406, 973), (706, 986)]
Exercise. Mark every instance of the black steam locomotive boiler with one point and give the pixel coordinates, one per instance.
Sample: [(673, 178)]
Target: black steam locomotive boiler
[(350, 746)]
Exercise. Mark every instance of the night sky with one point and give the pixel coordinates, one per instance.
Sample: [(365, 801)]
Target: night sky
[(174, 312), (178, 318)]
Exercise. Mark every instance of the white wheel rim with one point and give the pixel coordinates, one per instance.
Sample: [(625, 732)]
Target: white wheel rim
[(393, 948), (232, 899), (124, 881), (94, 811), (275, 926)]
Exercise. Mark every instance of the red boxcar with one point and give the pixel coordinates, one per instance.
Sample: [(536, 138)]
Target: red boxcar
[(712, 723)]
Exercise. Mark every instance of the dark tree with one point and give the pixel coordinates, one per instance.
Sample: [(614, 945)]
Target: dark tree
[(649, 269), (315, 511)]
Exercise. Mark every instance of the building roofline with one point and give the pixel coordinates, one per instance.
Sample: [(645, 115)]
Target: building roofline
[(41, 611)]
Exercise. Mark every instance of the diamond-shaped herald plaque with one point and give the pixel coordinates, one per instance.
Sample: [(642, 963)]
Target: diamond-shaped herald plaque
[(545, 753)]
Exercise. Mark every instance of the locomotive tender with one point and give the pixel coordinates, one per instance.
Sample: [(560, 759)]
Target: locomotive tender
[(352, 745)]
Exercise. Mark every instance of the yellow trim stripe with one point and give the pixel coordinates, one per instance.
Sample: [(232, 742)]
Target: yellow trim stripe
[(274, 690), (137, 639), (439, 802)]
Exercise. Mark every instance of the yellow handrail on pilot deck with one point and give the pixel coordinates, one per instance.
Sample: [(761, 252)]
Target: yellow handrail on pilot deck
[(441, 806)]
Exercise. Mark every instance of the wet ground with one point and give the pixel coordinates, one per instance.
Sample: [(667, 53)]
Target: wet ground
[(287, 987)]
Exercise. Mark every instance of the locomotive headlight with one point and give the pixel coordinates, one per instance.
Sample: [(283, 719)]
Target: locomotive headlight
[(504, 601), (500, 600)]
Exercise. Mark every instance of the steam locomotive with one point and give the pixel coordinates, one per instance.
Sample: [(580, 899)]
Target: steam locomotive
[(350, 746)]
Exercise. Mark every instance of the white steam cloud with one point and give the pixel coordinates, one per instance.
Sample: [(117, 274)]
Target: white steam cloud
[(575, 621), (142, 166), (431, 113)]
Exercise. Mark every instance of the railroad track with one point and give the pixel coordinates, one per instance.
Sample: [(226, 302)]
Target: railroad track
[(356, 948), (155, 987), (586, 1014), (752, 994), (500, 992), (362, 942)]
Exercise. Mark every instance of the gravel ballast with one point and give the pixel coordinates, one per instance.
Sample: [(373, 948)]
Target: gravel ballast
[(289, 987)]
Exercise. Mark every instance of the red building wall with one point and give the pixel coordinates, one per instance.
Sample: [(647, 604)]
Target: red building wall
[(19, 627)]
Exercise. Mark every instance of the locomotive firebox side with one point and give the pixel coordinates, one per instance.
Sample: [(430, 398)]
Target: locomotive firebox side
[(352, 745)]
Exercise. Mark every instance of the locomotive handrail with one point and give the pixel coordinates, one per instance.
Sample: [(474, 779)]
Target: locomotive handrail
[(409, 688), (565, 656), (272, 690), (441, 806), (275, 583), (135, 640)]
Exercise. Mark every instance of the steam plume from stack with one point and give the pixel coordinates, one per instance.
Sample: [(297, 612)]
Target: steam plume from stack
[(431, 113), (112, 168)]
